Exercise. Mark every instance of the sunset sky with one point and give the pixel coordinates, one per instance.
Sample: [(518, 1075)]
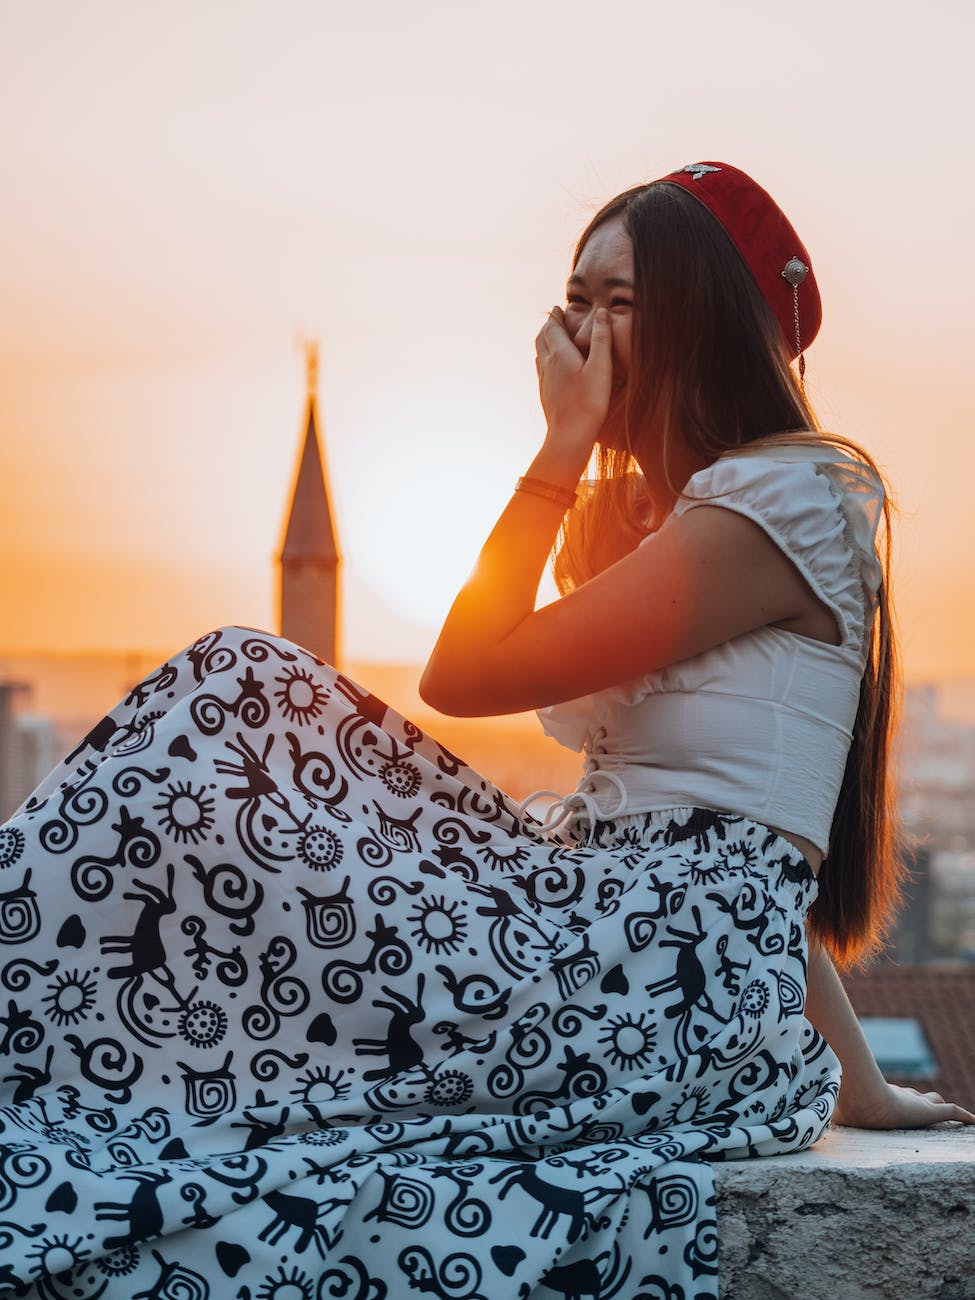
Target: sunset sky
[(190, 189)]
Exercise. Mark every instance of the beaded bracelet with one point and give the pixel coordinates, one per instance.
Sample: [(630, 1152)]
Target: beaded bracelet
[(537, 487)]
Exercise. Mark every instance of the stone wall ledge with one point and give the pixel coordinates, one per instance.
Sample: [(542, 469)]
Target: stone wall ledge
[(860, 1214)]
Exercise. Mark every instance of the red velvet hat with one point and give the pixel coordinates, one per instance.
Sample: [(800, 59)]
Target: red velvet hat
[(763, 234)]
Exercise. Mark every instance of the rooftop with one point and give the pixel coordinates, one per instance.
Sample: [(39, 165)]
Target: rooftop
[(940, 997)]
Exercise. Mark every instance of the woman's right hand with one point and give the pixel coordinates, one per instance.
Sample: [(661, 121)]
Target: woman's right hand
[(897, 1107), (575, 389)]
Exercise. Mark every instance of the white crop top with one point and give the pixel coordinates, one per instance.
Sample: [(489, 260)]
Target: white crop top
[(760, 725)]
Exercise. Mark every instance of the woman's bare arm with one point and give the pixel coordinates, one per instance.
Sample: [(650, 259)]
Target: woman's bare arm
[(866, 1100), (704, 578)]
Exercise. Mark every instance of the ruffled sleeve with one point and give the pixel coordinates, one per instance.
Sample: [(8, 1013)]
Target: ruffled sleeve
[(821, 509)]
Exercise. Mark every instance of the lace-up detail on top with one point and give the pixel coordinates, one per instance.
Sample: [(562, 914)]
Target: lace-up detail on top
[(580, 805)]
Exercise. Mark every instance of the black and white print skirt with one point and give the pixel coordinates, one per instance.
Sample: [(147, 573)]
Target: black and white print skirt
[(295, 1005)]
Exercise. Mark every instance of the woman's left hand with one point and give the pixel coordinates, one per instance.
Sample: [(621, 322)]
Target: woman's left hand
[(897, 1107)]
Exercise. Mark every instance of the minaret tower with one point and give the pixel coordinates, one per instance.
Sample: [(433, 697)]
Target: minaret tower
[(309, 560)]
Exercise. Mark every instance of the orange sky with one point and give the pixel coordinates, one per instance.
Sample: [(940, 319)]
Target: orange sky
[(186, 190)]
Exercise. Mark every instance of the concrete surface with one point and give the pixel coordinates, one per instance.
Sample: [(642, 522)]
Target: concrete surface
[(861, 1214)]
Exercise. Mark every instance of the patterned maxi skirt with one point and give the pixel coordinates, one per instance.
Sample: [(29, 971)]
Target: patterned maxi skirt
[(295, 1005)]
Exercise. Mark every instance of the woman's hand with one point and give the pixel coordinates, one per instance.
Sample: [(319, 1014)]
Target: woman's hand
[(575, 389), (896, 1107), (866, 1099)]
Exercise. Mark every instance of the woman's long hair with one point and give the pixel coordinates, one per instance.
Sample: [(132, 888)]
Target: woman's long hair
[(709, 366)]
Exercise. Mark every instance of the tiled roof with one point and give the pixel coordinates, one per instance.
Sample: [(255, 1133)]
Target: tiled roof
[(941, 997)]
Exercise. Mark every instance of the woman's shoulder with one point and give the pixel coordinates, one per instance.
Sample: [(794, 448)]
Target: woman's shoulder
[(820, 505), (798, 490), (770, 469)]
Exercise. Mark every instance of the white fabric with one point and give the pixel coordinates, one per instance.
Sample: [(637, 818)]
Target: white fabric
[(760, 725), (298, 1006)]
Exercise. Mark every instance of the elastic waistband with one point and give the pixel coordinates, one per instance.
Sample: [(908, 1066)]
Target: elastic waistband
[(687, 830), (701, 830)]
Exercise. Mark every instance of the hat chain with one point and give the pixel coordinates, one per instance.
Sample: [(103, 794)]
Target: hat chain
[(795, 271), (802, 358)]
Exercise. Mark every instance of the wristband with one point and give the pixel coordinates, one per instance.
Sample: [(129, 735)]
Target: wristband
[(537, 487)]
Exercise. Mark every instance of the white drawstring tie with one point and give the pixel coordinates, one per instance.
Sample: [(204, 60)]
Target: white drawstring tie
[(581, 803)]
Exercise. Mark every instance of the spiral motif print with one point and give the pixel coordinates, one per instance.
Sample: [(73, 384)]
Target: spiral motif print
[(20, 918), (294, 1003)]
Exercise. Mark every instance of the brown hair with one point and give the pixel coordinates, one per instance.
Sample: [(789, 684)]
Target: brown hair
[(709, 365)]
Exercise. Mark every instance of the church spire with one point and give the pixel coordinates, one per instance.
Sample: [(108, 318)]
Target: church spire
[(311, 368), (309, 559)]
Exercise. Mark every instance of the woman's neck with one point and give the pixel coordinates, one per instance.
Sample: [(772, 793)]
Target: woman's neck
[(666, 484)]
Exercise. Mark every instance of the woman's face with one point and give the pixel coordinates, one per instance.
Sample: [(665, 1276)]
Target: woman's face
[(603, 277)]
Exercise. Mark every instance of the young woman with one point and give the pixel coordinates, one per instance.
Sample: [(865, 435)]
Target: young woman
[(299, 1005)]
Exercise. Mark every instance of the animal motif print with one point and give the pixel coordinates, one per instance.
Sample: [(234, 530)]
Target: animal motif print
[(294, 1002)]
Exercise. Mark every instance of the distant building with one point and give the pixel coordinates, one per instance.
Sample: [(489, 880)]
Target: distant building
[(953, 910), (39, 749), (937, 773), (29, 747), (911, 941), (309, 560), (936, 790), (10, 693)]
